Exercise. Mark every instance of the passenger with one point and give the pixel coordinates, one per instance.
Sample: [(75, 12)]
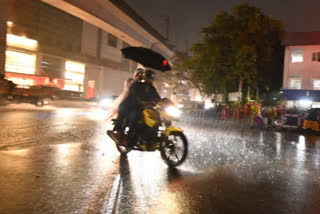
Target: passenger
[(137, 76), (129, 110)]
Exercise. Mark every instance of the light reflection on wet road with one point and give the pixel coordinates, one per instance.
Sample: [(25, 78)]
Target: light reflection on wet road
[(68, 165)]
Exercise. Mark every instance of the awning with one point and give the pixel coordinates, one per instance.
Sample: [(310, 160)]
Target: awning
[(298, 94)]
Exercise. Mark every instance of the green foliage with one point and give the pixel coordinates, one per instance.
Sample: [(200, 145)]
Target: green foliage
[(236, 50)]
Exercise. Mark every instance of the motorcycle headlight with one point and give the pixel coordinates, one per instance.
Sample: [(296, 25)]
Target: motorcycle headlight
[(173, 111)]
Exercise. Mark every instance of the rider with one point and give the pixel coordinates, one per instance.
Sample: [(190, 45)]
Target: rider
[(139, 92)]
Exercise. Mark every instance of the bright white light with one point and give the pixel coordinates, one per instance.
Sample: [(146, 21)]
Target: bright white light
[(65, 112), (21, 42), (180, 105), (21, 82), (305, 103), (106, 103), (173, 111), (208, 105), (296, 55), (9, 23), (75, 67), (20, 62), (296, 58), (64, 149), (74, 76)]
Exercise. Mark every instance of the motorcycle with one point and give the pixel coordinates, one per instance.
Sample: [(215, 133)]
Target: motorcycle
[(154, 131)]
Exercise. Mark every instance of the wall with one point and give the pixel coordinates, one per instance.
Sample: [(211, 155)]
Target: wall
[(114, 81), (89, 44), (306, 70), (108, 52), (4, 12)]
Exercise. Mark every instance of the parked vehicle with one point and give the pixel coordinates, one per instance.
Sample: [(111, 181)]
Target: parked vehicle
[(292, 119), (311, 121), (38, 95)]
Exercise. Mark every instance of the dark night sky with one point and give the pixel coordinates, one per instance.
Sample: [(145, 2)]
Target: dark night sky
[(187, 17)]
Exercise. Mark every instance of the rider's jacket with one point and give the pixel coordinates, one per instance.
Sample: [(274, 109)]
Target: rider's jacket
[(139, 92)]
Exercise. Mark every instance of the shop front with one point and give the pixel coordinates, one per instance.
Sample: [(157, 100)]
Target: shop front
[(26, 67)]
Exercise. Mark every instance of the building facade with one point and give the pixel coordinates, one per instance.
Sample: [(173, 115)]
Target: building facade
[(301, 72), (72, 45)]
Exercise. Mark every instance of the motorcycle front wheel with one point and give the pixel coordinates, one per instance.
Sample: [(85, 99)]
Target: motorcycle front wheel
[(175, 149)]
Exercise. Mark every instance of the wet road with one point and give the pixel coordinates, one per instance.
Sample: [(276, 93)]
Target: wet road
[(59, 161)]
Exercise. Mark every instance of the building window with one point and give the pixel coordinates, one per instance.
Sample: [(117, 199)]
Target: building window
[(294, 83), (296, 55), (19, 62), (316, 84), (112, 40), (74, 76), (316, 56), (52, 66), (21, 42)]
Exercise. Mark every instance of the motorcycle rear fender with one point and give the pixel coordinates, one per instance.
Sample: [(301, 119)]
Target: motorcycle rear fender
[(171, 129)]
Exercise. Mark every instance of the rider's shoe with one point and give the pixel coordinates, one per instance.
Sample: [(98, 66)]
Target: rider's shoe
[(118, 137)]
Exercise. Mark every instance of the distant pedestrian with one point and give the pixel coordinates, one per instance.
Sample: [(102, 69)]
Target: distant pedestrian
[(223, 113)]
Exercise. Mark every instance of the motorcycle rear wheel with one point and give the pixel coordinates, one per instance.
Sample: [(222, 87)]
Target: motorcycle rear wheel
[(175, 150)]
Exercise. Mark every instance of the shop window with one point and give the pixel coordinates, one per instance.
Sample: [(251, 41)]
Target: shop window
[(112, 40), (52, 66), (21, 42), (74, 76), (19, 62), (294, 83), (296, 55)]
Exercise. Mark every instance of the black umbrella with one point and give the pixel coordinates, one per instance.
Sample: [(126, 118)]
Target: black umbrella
[(146, 57)]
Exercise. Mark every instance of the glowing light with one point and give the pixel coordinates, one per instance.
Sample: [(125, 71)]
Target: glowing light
[(75, 72), (164, 63), (75, 66), (301, 149), (20, 62), (9, 23), (305, 103), (106, 103), (65, 112), (73, 87), (21, 42), (75, 77), (180, 105), (21, 82), (173, 111), (64, 149), (208, 105)]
